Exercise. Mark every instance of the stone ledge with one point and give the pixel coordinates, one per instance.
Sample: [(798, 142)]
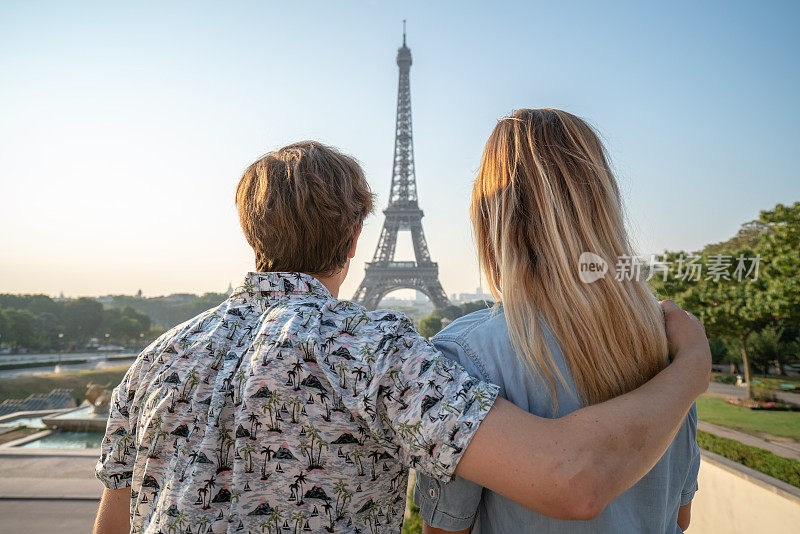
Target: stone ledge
[(757, 477), (81, 453), (50, 489)]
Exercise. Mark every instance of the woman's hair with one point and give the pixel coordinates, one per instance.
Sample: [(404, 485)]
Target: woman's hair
[(544, 195)]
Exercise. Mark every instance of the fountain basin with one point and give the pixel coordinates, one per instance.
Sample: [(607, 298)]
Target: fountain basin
[(79, 420), (64, 440)]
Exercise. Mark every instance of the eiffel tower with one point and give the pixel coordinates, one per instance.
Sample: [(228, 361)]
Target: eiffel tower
[(384, 275)]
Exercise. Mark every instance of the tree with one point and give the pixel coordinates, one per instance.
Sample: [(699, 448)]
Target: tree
[(5, 331), (82, 319), (429, 326), (719, 350), (48, 326), (780, 249), (20, 326), (729, 308), (767, 347)]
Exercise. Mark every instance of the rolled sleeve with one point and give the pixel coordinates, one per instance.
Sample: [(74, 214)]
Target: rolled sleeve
[(423, 408), (449, 506), (450, 405), (117, 456), (690, 486), (118, 448)]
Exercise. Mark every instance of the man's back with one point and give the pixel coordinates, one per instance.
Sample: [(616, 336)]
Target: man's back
[(285, 410)]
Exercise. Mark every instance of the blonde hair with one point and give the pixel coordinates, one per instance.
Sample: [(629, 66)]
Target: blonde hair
[(544, 195)]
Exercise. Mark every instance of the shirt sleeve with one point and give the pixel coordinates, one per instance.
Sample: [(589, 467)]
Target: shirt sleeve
[(422, 407), (690, 486), (118, 448), (452, 505)]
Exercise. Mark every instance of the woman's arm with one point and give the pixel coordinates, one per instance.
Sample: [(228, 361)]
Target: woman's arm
[(685, 516), (572, 467)]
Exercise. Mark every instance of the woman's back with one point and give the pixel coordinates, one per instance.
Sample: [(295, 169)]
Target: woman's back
[(481, 343)]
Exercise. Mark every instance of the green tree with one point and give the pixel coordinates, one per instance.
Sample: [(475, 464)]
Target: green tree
[(780, 249), (429, 326), (82, 319), (48, 326), (20, 328), (731, 309), (768, 347)]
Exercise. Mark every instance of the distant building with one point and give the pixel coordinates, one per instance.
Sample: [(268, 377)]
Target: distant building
[(471, 297), (178, 298)]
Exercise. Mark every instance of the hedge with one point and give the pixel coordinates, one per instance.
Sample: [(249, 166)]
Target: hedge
[(784, 469)]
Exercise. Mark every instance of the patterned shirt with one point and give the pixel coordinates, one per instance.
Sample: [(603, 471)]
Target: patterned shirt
[(286, 410)]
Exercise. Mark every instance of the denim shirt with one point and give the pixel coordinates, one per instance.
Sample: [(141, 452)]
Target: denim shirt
[(481, 343)]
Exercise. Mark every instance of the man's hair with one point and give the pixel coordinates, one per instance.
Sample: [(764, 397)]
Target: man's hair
[(301, 207)]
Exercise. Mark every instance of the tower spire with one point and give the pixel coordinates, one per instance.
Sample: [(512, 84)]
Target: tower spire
[(384, 273)]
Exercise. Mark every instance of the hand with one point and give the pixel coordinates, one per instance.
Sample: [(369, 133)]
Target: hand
[(686, 339)]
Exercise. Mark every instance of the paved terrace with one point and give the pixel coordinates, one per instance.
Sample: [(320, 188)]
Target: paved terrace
[(48, 491)]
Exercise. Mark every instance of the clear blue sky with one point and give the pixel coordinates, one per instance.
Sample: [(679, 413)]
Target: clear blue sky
[(125, 128)]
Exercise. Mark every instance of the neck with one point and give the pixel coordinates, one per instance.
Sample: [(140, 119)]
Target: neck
[(333, 282)]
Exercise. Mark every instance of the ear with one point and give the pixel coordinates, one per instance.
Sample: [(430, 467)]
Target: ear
[(352, 252)]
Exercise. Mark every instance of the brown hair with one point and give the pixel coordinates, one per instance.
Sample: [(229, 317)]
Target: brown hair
[(301, 207), (544, 195)]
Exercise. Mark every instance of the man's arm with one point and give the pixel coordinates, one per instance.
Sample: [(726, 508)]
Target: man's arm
[(572, 467), (113, 517)]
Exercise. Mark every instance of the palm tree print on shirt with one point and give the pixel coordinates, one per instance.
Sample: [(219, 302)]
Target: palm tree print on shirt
[(284, 410)]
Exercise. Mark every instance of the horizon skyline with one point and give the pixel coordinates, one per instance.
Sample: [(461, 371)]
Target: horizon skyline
[(129, 153)]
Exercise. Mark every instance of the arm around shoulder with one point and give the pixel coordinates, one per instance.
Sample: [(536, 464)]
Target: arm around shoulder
[(572, 467)]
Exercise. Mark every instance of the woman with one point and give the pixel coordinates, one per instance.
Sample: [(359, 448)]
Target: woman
[(557, 340)]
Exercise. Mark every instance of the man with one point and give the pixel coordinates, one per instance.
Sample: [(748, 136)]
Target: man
[(286, 409)]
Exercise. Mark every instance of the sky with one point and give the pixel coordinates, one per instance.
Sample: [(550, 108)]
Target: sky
[(124, 127)]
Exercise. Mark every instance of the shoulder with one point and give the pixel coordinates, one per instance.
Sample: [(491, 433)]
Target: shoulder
[(347, 313), (466, 327), (176, 339), (476, 341)]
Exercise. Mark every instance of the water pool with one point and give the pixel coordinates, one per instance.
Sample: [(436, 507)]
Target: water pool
[(29, 422), (82, 413), (66, 440)]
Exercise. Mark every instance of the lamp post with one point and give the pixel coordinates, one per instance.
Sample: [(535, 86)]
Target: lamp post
[(60, 346)]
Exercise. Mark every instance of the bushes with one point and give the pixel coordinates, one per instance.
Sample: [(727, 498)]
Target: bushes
[(430, 325), (784, 469)]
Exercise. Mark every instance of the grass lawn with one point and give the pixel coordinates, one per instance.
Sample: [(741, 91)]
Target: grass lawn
[(21, 387), (413, 523), (717, 411)]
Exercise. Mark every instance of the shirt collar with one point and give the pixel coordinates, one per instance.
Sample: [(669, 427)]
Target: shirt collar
[(281, 284)]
